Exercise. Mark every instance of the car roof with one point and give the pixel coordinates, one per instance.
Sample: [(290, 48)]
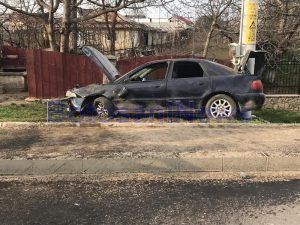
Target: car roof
[(177, 60)]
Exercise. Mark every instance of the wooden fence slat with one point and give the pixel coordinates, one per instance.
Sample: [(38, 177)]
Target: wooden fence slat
[(52, 74), (46, 70), (58, 61), (67, 75), (38, 64), (82, 70), (31, 79), (89, 72), (73, 68)]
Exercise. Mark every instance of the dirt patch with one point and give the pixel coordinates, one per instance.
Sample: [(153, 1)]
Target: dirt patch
[(93, 142), (13, 98)]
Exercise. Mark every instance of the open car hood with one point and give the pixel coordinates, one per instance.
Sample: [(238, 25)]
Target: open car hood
[(260, 62), (102, 62)]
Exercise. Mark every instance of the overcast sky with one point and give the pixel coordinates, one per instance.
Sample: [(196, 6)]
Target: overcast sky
[(157, 12), (161, 12)]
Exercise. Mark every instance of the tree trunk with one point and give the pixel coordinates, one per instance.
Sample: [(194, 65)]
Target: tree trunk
[(113, 47), (111, 31), (74, 33), (51, 32), (66, 28), (208, 39)]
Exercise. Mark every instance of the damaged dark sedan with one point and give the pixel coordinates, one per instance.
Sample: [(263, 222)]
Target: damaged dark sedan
[(171, 85)]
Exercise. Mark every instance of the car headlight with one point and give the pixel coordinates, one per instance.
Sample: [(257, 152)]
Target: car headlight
[(77, 102), (70, 94)]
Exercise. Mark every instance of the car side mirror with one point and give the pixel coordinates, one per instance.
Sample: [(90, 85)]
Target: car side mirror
[(123, 92)]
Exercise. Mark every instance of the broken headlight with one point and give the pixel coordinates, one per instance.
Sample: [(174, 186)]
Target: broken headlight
[(70, 94)]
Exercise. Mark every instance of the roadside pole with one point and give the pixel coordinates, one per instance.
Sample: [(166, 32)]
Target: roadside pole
[(248, 32), (249, 29)]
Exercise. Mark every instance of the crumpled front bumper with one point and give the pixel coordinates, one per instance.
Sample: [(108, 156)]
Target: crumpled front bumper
[(75, 101), (76, 104)]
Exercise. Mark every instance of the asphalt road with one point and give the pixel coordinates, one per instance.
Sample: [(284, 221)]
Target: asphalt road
[(144, 200), (133, 142)]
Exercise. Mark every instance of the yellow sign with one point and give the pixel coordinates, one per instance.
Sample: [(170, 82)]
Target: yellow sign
[(250, 22)]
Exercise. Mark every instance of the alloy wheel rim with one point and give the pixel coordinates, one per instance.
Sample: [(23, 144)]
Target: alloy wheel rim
[(221, 108), (101, 110)]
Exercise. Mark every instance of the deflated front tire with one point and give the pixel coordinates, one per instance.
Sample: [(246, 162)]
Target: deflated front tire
[(103, 108)]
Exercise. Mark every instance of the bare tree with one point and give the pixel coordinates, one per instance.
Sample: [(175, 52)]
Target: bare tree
[(110, 23), (111, 30), (213, 19), (44, 13), (69, 19), (213, 10), (284, 34), (74, 28)]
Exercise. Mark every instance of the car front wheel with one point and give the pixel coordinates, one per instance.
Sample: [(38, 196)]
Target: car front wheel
[(103, 108), (220, 106)]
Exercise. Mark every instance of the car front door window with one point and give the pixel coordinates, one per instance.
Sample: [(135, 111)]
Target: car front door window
[(154, 72)]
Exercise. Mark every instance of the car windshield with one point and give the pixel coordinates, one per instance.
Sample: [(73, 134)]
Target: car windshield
[(216, 69), (155, 71)]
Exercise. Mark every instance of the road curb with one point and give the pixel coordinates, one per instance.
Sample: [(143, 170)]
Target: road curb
[(143, 124), (144, 165)]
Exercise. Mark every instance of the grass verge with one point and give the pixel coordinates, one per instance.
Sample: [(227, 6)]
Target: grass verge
[(34, 112), (37, 112), (278, 116)]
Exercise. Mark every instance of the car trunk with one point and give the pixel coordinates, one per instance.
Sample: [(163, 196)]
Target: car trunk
[(260, 62)]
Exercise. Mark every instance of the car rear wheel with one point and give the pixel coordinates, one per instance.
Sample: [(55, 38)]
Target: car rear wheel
[(220, 106), (103, 108)]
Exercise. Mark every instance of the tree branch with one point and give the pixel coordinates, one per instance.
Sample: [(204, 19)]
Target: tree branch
[(21, 11), (99, 12)]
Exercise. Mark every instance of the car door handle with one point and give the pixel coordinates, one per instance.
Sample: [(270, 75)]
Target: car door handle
[(201, 83)]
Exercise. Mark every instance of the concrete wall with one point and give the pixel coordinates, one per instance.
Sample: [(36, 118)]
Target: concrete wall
[(13, 82), (284, 102)]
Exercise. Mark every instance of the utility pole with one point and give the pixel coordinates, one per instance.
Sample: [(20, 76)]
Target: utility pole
[(248, 30), (247, 39)]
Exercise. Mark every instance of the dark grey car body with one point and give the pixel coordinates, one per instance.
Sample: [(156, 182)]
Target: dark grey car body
[(186, 85)]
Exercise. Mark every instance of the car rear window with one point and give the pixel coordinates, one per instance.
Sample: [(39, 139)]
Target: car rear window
[(216, 69)]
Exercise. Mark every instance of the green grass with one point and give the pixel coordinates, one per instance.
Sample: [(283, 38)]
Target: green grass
[(278, 116), (34, 112), (37, 112)]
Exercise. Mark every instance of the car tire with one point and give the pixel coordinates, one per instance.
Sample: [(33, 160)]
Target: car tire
[(104, 109), (220, 106)]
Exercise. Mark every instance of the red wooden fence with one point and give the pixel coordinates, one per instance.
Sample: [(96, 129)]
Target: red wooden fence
[(51, 74)]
